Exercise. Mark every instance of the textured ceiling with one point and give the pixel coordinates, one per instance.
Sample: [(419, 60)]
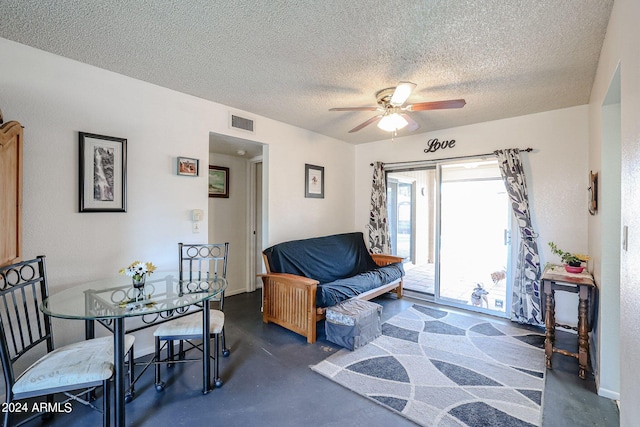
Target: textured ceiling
[(293, 60)]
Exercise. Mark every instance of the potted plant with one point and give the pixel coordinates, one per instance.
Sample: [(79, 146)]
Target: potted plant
[(572, 262)]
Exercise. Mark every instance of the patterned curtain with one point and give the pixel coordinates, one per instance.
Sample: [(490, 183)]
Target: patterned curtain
[(525, 307), (378, 227)]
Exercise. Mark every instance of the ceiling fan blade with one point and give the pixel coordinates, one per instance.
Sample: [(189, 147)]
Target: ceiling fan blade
[(436, 105), (401, 94), (354, 109), (412, 124), (373, 119)]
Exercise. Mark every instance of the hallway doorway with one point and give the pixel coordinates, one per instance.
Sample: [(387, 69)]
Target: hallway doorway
[(239, 218)]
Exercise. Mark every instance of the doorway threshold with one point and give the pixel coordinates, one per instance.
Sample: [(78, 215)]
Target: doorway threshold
[(418, 295)]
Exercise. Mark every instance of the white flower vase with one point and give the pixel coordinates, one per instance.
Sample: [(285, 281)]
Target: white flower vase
[(138, 280)]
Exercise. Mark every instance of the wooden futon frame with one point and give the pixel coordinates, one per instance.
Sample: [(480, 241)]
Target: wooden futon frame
[(290, 300)]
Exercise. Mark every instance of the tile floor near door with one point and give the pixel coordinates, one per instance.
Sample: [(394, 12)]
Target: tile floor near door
[(268, 383)]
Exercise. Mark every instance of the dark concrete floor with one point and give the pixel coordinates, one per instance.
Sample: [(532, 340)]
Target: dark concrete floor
[(268, 383)]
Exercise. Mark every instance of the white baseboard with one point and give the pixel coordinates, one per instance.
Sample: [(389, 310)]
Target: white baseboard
[(236, 292), (609, 394)]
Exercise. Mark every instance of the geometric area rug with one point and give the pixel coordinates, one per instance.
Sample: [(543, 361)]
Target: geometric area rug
[(443, 369)]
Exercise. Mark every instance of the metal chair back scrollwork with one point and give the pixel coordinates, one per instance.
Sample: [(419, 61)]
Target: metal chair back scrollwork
[(204, 262), (198, 263), (23, 327)]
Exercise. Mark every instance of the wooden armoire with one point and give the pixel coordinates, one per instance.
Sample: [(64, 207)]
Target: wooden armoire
[(10, 192)]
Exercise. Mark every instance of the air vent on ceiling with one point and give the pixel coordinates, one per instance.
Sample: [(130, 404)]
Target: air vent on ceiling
[(242, 123)]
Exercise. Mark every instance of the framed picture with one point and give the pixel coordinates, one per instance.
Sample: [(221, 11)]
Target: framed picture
[(218, 181), (313, 181), (188, 167), (103, 173)]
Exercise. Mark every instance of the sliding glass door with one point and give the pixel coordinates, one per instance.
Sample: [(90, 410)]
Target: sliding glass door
[(451, 223), (474, 237)]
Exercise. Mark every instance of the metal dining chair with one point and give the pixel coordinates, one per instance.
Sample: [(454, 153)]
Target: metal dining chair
[(198, 262), (24, 328)]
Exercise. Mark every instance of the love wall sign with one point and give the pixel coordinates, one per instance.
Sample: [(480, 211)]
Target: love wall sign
[(434, 145)]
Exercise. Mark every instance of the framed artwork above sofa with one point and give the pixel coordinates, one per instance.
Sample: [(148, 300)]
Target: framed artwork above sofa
[(313, 181)]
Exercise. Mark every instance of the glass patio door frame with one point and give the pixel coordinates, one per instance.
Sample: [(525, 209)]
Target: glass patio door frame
[(394, 215), (510, 255)]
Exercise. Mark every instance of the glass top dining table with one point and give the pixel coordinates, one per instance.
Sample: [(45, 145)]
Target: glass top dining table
[(116, 297), (112, 300)]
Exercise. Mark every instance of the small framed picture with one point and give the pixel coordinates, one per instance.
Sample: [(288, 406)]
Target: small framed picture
[(218, 181), (187, 166), (103, 173), (313, 181)]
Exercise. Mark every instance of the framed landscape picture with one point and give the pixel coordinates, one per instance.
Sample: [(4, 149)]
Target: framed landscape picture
[(218, 181), (103, 173)]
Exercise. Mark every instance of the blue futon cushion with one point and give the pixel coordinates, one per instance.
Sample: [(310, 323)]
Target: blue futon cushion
[(341, 263), (330, 294)]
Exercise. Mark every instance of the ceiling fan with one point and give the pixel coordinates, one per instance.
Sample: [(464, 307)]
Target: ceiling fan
[(393, 115)]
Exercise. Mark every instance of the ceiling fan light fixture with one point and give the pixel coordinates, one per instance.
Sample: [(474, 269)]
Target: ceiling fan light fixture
[(392, 122), (393, 113)]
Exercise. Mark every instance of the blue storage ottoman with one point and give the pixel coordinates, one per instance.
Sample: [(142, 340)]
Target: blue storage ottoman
[(353, 323)]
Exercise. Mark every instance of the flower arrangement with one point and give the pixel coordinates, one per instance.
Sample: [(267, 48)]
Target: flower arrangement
[(138, 270), (573, 260)]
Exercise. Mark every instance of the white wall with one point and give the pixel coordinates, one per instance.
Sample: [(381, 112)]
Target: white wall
[(620, 49), (291, 215), (556, 171), (605, 240), (55, 98)]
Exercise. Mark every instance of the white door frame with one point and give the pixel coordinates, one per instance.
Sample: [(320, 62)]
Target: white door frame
[(254, 240)]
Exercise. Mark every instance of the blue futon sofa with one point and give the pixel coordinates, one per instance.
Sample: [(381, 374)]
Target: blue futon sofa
[(304, 277)]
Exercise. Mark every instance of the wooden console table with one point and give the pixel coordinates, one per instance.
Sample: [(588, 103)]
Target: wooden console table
[(555, 278)]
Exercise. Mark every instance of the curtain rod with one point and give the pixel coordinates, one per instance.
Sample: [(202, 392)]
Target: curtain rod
[(528, 150)]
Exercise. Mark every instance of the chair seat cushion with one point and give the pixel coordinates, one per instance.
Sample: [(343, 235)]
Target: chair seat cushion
[(191, 326), (80, 363)]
